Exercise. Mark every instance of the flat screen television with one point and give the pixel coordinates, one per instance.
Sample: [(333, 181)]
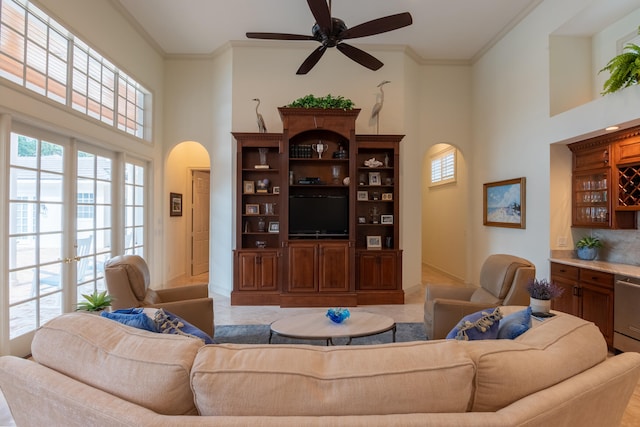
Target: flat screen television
[(318, 215)]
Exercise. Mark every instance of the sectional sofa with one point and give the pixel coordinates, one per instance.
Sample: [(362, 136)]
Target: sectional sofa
[(91, 371)]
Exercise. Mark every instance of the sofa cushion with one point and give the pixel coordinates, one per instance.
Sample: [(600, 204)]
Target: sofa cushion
[(550, 352), (481, 325), (269, 380), (146, 368), (515, 324)]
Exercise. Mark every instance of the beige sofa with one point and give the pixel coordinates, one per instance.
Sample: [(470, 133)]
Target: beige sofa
[(92, 371)]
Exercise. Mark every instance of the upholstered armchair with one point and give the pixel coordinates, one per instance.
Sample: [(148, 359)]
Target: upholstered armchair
[(127, 278), (503, 281)]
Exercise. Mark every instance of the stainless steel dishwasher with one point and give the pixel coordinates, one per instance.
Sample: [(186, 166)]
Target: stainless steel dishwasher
[(626, 314)]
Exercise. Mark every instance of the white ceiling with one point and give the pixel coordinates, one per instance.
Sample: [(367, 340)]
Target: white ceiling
[(448, 30)]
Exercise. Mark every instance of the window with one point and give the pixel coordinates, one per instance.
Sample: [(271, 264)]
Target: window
[(134, 209), (443, 167), (41, 55)]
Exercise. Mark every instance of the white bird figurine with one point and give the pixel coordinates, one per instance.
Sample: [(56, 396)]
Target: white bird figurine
[(375, 111), (261, 126)]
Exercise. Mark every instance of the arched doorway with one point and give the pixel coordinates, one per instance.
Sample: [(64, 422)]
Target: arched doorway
[(187, 173), (445, 206)]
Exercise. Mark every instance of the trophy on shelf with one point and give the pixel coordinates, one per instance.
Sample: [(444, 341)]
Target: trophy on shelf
[(319, 148)]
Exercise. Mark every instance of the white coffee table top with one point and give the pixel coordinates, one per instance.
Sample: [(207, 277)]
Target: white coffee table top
[(317, 326)]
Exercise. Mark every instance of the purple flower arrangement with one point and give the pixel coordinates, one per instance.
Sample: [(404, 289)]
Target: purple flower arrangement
[(543, 289)]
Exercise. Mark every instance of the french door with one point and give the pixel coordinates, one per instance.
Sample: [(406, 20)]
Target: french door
[(60, 228)]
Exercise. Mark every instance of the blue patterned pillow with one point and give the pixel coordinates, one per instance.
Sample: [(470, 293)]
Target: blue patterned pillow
[(482, 325), (168, 323), (515, 324), (134, 317)]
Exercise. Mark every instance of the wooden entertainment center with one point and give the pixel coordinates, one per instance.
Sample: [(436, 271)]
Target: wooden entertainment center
[(317, 214)]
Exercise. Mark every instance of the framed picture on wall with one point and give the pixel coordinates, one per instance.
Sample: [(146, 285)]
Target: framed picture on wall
[(175, 204), (504, 203)]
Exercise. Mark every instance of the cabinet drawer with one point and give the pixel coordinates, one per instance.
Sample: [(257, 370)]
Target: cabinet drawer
[(596, 277), (565, 271)]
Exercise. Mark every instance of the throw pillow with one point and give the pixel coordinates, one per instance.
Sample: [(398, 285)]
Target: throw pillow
[(134, 317), (515, 324), (168, 323), (482, 325)]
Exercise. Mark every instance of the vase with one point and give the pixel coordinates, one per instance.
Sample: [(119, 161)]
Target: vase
[(587, 253), (540, 305)]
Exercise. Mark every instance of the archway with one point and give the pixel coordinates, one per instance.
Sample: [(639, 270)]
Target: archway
[(445, 218), (187, 173)]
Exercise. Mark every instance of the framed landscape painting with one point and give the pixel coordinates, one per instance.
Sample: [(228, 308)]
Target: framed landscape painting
[(504, 203)]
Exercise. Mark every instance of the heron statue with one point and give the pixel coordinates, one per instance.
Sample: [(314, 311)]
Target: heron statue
[(375, 111), (261, 126)]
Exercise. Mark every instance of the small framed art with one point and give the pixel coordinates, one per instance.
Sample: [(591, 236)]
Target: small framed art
[(387, 196), (374, 178), (276, 190), (363, 195), (386, 219), (274, 227), (175, 204), (248, 187), (252, 209), (374, 242)]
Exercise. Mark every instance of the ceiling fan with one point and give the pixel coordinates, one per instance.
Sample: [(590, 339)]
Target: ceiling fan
[(331, 32)]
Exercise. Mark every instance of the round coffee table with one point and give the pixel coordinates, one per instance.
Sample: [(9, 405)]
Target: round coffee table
[(317, 326)]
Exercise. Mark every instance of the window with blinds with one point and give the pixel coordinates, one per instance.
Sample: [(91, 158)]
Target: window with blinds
[(41, 55), (443, 167)]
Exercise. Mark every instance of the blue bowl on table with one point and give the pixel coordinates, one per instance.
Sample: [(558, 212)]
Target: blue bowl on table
[(338, 315)]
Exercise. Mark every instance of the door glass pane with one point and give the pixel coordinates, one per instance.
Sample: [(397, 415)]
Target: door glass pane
[(36, 213)]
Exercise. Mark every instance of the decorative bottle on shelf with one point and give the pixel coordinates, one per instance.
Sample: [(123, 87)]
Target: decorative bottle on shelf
[(261, 225)]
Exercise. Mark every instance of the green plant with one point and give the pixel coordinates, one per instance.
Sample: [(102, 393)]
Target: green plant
[(329, 101), (589, 242), (95, 302), (624, 69)]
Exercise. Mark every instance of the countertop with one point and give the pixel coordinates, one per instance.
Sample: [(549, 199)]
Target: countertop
[(608, 267)]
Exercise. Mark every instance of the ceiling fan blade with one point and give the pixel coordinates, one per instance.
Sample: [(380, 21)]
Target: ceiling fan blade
[(278, 36), (321, 13), (311, 60), (360, 56), (377, 26)]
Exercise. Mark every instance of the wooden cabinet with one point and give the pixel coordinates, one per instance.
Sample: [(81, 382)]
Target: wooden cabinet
[(318, 267), (587, 294), (606, 190), (313, 196)]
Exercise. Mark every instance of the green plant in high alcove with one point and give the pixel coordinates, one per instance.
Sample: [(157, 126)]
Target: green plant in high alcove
[(624, 69)]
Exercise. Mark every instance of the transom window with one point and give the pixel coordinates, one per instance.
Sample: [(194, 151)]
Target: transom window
[(43, 56), (443, 167)]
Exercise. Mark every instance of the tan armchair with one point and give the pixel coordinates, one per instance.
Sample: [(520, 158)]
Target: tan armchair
[(503, 281), (127, 278)]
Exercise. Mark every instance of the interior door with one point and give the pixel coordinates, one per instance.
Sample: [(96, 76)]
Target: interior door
[(200, 222)]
